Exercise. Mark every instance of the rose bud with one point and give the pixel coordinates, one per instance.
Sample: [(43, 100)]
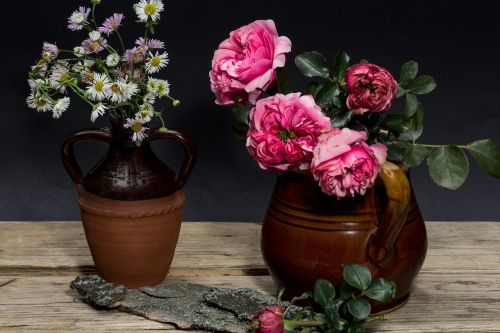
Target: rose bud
[(268, 320)]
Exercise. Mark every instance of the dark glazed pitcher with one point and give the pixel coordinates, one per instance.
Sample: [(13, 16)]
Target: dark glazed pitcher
[(308, 235), (131, 204)]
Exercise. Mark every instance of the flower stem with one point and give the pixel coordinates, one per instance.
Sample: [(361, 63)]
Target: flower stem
[(82, 96), (300, 323), (121, 40), (438, 146)]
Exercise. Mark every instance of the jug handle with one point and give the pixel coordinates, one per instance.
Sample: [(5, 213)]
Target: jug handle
[(397, 187), (67, 153), (189, 149)]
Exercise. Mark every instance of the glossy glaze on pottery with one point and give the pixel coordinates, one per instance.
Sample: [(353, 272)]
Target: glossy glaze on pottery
[(308, 235), (131, 204)]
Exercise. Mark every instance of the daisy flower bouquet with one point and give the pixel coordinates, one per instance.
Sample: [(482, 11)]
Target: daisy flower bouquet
[(342, 127), (110, 79)]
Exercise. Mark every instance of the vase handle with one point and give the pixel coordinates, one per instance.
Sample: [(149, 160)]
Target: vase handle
[(397, 187), (68, 156), (189, 149)]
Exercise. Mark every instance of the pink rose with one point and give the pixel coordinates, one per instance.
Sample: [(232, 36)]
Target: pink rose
[(268, 320), (344, 164), (284, 130), (371, 88), (246, 62)]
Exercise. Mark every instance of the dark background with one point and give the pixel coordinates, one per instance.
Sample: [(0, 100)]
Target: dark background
[(456, 42)]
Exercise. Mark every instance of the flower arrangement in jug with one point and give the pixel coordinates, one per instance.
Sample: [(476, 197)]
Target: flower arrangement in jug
[(118, 80), (341, 127)]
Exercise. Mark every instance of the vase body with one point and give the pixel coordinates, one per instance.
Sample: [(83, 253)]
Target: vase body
[(308, 235), (131, 205)]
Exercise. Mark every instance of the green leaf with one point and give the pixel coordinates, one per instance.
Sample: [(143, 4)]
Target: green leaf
[(357, 276), (282, 81), (324, 96), (306, 330), (401, 92), (333, 319), (381, 290), (240, 112), (359, 308), (324, 293), (411, 105), (342, 120), (312, 64), (346, 291), (340, 65), (397, 151), (312, 88), (408, 73), (396, 122), (356, 328), (422, 85), (414, 126), (487, 155), (415, 155), (240, 130), (448, 166)]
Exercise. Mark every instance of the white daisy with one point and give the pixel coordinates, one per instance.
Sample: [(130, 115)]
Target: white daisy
[(79, 51), (146, 9), (146, 113), (113, 59), (158, 87), (156, 62), (149, 98), (59, 76), (34, 83), (97, 110), (138, 128), (94, 35), (121, 91), (60, 106), (40, 103), (98, 90)]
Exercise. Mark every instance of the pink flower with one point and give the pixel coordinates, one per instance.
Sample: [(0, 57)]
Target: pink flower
[(284, 130), (149, 43), (134, 55), (371, 88), (344, 164), (94, 47), (269, 320), (50, 51), (246, 62), (111, 24)]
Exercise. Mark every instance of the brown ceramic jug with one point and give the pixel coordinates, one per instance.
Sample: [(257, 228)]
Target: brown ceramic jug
[(131, 204), (308, 235)]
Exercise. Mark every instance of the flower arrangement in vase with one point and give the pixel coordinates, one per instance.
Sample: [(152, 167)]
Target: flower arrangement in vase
[(341, 155), (131, 202)]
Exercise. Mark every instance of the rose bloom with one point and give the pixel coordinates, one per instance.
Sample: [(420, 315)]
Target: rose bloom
[(344, 164), (246, 62), (371, 88), (269, 320), (284, 130)]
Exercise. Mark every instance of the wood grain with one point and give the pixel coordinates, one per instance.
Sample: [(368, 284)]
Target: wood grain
[(458, 289)]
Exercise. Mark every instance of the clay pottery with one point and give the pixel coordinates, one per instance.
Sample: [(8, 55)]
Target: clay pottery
[(131, 204), (308, 235)]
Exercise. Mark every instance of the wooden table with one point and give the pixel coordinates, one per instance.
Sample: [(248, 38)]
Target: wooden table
[(458, 289)]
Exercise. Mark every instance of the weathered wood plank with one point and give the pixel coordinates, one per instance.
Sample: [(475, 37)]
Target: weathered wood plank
[(440, 303)]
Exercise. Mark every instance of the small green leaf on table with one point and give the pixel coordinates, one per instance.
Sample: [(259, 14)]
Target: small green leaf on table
[(357, 276), (381, 290), (359, 308), (324, 293)]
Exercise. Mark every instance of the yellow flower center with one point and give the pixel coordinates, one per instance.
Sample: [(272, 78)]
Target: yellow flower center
[(136, 127), (94, 46), (89, 76), (116, 88), (150, 9), (40, 102), (64, 77), (155, 61), (98, 86), (160, 89)]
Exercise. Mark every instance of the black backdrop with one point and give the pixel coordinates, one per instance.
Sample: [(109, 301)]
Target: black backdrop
[(457, 42)]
